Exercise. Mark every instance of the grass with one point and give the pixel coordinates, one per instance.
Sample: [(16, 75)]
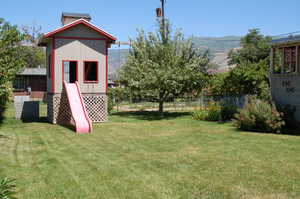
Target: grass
[(142, 155)]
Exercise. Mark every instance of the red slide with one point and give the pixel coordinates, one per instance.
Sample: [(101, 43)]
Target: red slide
[(80, 116)]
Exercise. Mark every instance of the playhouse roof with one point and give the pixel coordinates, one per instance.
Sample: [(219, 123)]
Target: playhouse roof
[(75, 23), (33, 71)]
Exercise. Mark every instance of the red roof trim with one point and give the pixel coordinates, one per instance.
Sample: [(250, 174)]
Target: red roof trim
[(77, 22)]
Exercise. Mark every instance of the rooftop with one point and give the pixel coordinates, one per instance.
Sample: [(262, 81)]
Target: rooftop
[(43, 40), (33, 71)]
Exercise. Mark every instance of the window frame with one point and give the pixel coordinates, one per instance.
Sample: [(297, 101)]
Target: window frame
[(20, 80), (63, 69), (97, 72), (289, 59)]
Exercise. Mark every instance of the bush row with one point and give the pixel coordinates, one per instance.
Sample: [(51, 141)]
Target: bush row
[(215, 112), (256, 115)]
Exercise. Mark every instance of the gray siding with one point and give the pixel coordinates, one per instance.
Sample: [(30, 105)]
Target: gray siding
[(81, 50), (80, 31), (285, 89)]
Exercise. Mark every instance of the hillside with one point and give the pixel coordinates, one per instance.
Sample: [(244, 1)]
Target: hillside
[(217, 44), (218, 47)]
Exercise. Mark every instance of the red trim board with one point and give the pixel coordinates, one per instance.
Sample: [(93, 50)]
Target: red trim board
[(53, 65), (106, 63), (84, 22), (97, 72)]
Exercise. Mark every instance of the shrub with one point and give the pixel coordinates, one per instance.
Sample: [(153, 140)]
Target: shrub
[(259, 115), (7, 188), (227, 111), (210, 113), (200, 114), (11, 60), (110, 103), (5, 92), (215, 112)]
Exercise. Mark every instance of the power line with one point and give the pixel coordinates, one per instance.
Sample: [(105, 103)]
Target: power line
[(290, 33)]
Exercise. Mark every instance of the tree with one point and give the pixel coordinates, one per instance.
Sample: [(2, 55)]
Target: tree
[(34, 55), (10, 60), (246, 78), (162, 67), (250, 74), (254, 48)]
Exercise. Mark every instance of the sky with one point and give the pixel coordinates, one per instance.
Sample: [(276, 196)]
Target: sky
[(122, 18)]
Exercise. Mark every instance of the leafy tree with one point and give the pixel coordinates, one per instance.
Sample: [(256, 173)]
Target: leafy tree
[(250, 74), (254, 48), (246, 78), (162, 66), (10, 60), (34, 55)]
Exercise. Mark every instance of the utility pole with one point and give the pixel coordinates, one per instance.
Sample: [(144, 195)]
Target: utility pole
[(160, 12), (163, 12)]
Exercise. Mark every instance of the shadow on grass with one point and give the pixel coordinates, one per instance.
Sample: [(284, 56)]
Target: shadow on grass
[(294, 132), (37, 120), (45, 120), (3, 137), (151, 115), (1, 116)]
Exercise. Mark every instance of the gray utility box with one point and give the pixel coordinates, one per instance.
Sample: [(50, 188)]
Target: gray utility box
[(26, 109)]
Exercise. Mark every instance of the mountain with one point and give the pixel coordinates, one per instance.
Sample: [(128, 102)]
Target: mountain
[(217, 46)]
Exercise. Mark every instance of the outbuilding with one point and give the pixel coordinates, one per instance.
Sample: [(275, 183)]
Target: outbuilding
[(31, 82), (77, 52), (285, 72)]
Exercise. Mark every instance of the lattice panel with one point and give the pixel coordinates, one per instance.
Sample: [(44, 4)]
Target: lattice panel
[(62, 111), (59, 110), (96, 106), (50, 108)]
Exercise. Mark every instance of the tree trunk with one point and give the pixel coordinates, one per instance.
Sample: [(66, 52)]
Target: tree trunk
[(161, 107)]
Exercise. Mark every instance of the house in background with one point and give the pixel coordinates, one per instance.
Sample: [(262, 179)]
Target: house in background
[(77, 52), (31, 82), (285, 72)]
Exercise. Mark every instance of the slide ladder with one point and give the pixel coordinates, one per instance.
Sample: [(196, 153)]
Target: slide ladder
[(80, 116)]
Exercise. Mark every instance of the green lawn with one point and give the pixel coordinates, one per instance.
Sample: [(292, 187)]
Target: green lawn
[(144, 156)]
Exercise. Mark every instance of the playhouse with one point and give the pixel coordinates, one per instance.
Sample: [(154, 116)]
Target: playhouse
[(285, 72), (77, 54)]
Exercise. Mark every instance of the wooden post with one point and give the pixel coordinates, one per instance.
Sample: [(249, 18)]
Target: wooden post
[(272, 60), (290, 57), (163, 19), (282, 62), (297, 60)]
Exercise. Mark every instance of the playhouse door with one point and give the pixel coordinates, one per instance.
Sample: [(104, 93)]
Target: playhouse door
[(70, 71)]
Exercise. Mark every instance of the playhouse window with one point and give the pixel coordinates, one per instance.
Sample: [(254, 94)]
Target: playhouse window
[(70, 71), (91, 71)]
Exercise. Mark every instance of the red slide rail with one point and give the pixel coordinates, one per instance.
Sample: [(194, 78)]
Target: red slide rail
[(82, 121), (84, 108)]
